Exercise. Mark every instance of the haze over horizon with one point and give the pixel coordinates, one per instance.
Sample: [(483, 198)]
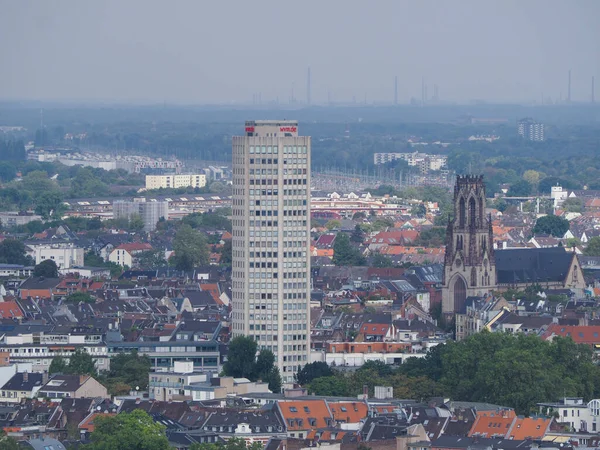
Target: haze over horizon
[(192, 52)]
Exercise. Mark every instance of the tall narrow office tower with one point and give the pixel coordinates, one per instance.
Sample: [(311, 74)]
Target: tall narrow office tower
[(271, 241)]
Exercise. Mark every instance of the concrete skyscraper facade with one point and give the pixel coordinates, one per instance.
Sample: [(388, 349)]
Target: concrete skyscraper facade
[(271, 241)]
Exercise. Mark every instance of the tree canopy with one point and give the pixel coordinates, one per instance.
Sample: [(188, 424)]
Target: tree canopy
[(190, 248), (230, 444), (313, 370), (517, 371), (12, 251), (551, 225), (46, 268), (243, 362), (345, 254), (128, 431), (593, 247)]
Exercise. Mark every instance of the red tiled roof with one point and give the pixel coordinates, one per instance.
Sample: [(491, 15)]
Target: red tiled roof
[(377, 329), (581, 334), (304, 415), (10, 310)]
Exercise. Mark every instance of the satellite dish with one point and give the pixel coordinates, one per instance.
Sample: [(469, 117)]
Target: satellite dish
[(98, 408)]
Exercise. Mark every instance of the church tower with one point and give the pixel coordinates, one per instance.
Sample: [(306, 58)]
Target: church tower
[(469, 264)]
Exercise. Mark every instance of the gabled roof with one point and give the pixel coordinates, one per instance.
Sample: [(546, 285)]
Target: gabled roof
[(348, 412), (135, 247), (529, 428), (490, 424), (532, 265), (18, 382), (302, 415), (39, 283), (10, 310), (581, 334)]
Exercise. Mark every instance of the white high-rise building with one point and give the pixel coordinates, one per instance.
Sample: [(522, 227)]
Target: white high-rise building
[(271, 241), (531, 130)]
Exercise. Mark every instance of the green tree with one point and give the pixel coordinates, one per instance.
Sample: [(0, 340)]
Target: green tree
[(552, 225), (575, 204), (8, 443), (151, 259), (418, 210), (227, 253), (382, 223), (334, 386), (81, 363), (381, 261), (521, 188), (128, 431), (241, 358), (58, 365), (131, 369), (333, 224), (311, 371), (12, 251), (357, 236), (231, 444), (593, 247), (46, 268), (190, 248), (432, 237), (79, 297), (267, 371), (344, 254), (136, 223)]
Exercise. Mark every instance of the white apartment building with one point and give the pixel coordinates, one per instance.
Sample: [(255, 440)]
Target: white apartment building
[(271, 241), (580, 416), (174, 181), (65, 254), (531, 130), (424, 161)]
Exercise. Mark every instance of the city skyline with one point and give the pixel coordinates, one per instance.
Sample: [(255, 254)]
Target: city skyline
[(151, 52)]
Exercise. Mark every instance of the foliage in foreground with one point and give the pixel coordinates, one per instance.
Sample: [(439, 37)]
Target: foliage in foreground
[(510, 370), (128, 431)]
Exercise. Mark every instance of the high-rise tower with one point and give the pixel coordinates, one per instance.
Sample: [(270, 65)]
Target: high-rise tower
[(271, 241), (470, 264)]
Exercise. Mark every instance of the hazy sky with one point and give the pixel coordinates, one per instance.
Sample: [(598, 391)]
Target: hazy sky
[(222, 51)]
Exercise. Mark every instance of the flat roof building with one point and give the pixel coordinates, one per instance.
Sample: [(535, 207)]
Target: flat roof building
[(271, 241)]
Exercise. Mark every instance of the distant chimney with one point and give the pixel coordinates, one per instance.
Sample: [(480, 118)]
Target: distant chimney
[(44, 377), (82, 379), (366, 391), (25, 377)]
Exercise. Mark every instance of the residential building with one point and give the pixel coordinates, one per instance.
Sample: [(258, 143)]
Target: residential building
[(150, 212), (581, 417), (271, 241), (65, 254), (12, 219), (175, 181), (124, 254), (22, 385), (530, 129), (72, 386)]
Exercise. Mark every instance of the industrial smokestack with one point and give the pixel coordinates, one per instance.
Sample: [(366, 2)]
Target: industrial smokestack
[(308, 87)]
